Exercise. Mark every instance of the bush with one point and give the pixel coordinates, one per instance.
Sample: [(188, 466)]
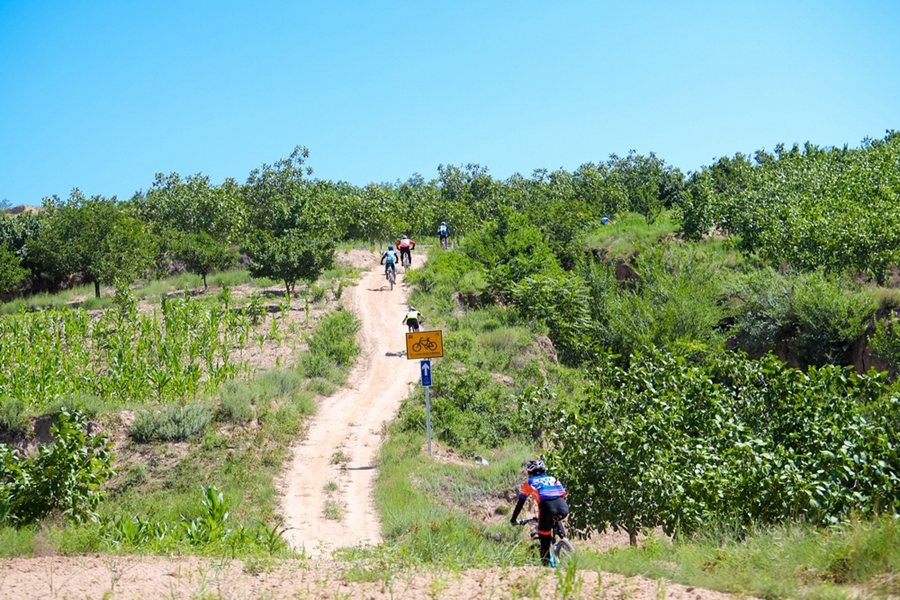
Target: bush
[(886, 341), (335, 338), (236, 402), (831, 316), (65, 476), (12, 416), (172, 424), (735, 441), (819, 315)]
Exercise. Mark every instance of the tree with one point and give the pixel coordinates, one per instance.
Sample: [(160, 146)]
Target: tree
[(290, 257), (193, 205), (201, 253), (12, 274), (93, 237)]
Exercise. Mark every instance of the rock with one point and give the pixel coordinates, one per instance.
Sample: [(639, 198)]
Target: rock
[(504, 379), (546, 344)]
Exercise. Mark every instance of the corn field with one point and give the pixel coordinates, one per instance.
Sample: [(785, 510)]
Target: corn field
[(122, 356)]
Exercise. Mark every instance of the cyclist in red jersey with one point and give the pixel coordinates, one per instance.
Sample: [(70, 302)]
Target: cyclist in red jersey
[(550, 496), (405, 245)]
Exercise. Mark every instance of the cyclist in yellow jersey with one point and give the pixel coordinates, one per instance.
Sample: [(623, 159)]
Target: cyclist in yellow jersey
[(413, 318)]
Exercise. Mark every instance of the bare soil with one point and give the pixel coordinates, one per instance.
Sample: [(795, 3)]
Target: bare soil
[(344, 436)]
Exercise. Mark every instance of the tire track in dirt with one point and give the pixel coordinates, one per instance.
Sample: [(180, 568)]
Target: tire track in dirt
[(350, 424)]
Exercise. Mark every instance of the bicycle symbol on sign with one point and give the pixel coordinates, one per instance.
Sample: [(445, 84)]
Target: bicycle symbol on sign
[(424, 343)]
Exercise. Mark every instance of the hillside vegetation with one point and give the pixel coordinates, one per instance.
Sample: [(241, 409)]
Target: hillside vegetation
[(715, 360)]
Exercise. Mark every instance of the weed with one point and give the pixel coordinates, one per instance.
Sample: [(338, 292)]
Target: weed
[(332, 510), (340, 458), (170, 424)]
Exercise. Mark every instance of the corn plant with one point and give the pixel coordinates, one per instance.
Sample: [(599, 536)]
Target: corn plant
[(121, 355)]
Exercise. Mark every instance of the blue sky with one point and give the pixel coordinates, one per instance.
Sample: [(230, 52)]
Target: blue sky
[(101, 95)]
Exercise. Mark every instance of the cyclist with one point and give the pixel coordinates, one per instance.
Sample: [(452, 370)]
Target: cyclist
[(551, 500), (412, 319), (405, 245), (389, 260), (443, 233)]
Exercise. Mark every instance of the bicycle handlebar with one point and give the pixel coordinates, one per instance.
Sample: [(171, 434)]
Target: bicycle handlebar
[(527, 521)]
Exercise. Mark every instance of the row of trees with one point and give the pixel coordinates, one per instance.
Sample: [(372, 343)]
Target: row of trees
[(831, 208), (287, 223)]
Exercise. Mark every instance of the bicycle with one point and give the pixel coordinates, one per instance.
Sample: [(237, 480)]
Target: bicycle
[(560, 546), (445, 244), (425, 343), (391, 277), (406, 260)]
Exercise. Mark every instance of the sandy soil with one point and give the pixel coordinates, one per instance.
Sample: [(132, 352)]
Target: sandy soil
[(188, 578), (343, 438)]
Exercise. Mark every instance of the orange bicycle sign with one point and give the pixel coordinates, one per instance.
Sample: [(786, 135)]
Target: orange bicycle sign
[(424, 344)]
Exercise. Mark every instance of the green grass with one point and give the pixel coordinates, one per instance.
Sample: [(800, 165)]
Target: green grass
[(629, 231), (794, 561), (425, 506)]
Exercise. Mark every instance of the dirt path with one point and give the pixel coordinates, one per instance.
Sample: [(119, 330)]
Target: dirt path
[(343, 439)]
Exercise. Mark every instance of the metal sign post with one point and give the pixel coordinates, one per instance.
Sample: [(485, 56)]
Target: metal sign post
[(425, 345), (425, 366)]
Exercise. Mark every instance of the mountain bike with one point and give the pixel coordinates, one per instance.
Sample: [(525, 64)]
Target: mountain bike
[(406, 260), (445, 243), (391, 277), (560, 546)]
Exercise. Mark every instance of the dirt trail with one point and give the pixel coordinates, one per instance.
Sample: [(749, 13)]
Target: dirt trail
[(343, 438)]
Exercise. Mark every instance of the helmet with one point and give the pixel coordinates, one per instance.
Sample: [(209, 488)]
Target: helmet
[(405, 237), (390, 247), (411, 308), (535, 466), (443, 223)]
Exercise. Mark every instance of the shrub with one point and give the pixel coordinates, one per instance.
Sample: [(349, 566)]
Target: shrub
[(886, 341), (831, 316), (65, 476), (236, 402), (734, 441), (12, 416), (335, 338), (172, 424)]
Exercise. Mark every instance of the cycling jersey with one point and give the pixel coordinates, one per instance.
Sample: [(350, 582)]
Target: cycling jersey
[(542, 487)]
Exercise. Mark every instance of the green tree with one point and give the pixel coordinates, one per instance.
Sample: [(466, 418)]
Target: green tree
[(193, 205), (291, 257), (94, 237), (201, 253), (66, 475), (12, 274)]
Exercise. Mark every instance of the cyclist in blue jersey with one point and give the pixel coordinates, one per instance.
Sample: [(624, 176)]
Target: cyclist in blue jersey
[(550, 496), (389, 260)]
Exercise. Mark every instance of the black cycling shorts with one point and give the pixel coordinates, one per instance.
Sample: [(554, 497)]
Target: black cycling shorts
[(550, 511)]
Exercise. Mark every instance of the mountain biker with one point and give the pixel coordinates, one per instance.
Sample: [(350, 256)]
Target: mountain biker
[(443, 233), (604, 220), (412, 319), (405, 245), (551, 499), (389, 260)]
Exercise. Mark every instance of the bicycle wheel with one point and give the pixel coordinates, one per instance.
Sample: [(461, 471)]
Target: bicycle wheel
[(391, 278), (564, 548)]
